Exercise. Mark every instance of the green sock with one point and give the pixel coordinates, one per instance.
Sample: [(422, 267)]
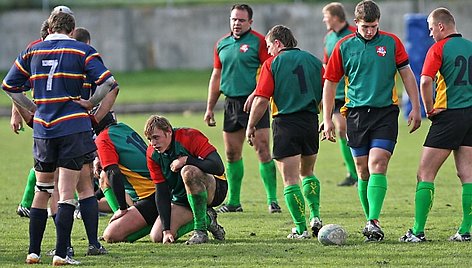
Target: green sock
[(28, 194), (423, 202), (466, 208), (234, 175), (376, 191), (311, 192), (139, 234), (362, 191), (269, 178), (198, 203), (111, 199), (347, 157), (296, 205)]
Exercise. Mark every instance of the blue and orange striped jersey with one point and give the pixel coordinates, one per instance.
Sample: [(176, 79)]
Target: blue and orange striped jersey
[(57, 68)]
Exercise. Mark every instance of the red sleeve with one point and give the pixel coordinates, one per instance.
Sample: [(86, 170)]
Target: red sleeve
[(433, 59), (154, 168), (195, 142), (106, 150), (265, 85), (325, 56), (335, 69), (400, 53), (322, 76), (216, 58)]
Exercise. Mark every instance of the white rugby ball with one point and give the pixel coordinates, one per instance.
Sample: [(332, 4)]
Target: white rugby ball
[(332, 234)]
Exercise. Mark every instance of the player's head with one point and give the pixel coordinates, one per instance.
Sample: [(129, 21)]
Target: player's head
[(82, 35), (158, 131), (63, 9), (108, 120), (333, 13), (367, 16), (240, 20), (279, 37), (44, 30), (61, 23), (441, 23)]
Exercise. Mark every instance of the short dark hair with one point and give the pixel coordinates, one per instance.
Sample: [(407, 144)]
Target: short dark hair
[(44, 30), (335, 9), (367, 11), (283, 34), (61, 23), (243, 7), (81, 34)]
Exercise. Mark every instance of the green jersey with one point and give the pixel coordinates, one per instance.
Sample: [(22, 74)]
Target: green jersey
[(239, 60)]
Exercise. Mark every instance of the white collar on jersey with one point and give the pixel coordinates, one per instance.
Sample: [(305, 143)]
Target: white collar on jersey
[(58, 36)]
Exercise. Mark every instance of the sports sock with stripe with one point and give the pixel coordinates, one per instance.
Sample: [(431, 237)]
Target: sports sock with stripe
[(296, 205), (311, 192)]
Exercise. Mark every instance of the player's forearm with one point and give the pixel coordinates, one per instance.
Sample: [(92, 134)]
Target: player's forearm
[(426, 87), (214, 89), (163, 198), (106, 104), (212, 164), (102, 90), (411, 87), (116, 180), (329, 93), (22, 100), (258, 108)]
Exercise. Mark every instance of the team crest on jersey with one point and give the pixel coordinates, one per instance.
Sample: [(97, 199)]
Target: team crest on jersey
[(381, 51), (244, 48)]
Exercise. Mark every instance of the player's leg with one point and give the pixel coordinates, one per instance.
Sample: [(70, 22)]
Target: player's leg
[(234, 169), (377, 188), (289, 167), (463, 160), (119, 229), (38, 213), (28, 195), (180, 216), (340, 125), (311, 191), (267, 168)]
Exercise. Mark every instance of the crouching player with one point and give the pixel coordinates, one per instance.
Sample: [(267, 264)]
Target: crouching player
[(189, 177)]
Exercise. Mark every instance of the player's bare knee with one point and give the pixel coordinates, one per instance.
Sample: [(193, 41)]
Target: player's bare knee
[(191, 174)]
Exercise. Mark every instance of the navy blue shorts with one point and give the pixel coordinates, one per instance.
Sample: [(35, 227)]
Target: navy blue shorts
[(67, 151)]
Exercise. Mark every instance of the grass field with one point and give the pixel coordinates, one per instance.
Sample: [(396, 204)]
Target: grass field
[(255, 238)]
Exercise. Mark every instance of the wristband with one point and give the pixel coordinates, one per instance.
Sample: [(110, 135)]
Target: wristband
[(430, 112)]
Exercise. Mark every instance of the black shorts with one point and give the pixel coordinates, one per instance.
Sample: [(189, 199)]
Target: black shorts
[(148, 209), (220, 192), (88, 158), (450, 129), (338, 104), (365, 124), (295, 134), (67, 151), (235, 118)]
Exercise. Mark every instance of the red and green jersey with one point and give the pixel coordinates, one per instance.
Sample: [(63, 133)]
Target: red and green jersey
[(121, 145), (330, 41), (369, 68), (185, 142), (293, 82), (239, 60), (450, 61)]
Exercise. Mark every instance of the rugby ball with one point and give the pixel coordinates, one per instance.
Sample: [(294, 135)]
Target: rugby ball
[(332, 234)]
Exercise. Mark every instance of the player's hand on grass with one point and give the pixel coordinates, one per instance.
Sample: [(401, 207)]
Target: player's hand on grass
[(414, 120), (118, 214), (209, 119), (167, 237), (328, 131)]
